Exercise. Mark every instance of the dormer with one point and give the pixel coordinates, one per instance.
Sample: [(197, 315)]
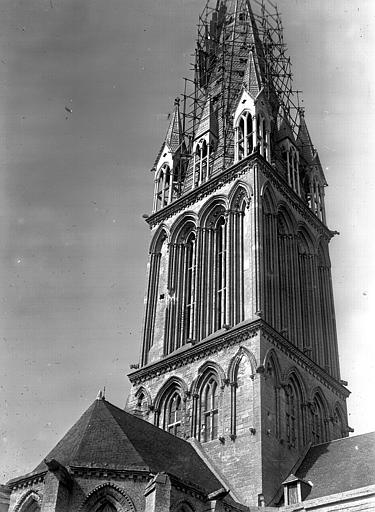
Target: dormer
[(295, 490), (168, 163), (251, 117), (289, 151), (204, 143)]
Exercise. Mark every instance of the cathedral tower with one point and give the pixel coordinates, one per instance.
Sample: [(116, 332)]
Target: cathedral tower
[(239, 351)]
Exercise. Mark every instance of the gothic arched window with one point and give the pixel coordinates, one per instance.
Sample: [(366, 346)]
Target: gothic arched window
[(163, 187), (189, 291), (244, 135), (173, 414), (209, 410), (201, 162), (293, 414), (220, 273), (317, 421)]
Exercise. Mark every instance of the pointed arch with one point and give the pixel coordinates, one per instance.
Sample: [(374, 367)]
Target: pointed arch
[(156, 282), (214, 258), (286, 223), (107, 493), (183, 506), (294, 394), (238, 251), (271, 359), (294, 373), (182, 284), (241, 371), (161, 234), (286, 283), (269, 198), (187, 220), (143, 401), (239, 191), (235, 361), (206, 368), (215, 202), (272, 374), (172, 384), (318, 417), (31, 501), (306, 239)]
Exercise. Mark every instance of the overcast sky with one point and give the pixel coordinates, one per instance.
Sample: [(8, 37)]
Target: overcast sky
[(74, 186)]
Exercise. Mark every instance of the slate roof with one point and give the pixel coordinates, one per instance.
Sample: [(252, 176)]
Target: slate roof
[(108, 437), (340, 465)]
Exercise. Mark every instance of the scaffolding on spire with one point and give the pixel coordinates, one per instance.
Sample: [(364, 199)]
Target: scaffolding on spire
[(227, 32)]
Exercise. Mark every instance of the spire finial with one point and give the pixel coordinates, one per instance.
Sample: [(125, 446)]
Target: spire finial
[(101, 394), (177, 102)]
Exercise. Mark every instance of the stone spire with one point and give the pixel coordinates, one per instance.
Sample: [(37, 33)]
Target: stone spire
[(304, 142), (173, 138)]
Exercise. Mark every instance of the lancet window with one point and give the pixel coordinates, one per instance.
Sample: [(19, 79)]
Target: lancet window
[(316, 199), (245, 135), (291, 161), (209, 410), (201, 162), (293, 414), (155, 283), (173, 414), (181, 309), (189, 288), (317, 421), (163, 187), (220, 273)]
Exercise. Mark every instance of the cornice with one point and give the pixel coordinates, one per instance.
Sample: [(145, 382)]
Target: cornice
[(294, 200), (235, 336), (232, 173), (109, 473), (303, 360), (206, 189), (27, 481), (199, 351)]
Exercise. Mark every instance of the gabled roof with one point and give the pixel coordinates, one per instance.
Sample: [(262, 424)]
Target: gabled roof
[(304, 142), (340, 465), (108, 437), (173, 138), (252, 78)]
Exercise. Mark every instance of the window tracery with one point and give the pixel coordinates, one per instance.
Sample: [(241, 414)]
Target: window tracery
[(317, 421), (173, 414), (209, 410), (201, 162), (293, 414), (220, 274), (163, 187)]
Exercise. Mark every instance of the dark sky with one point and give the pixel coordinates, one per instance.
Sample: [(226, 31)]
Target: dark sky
[(74, 186)]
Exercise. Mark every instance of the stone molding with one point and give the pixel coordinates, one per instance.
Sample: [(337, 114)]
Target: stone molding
[(237, 335)]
